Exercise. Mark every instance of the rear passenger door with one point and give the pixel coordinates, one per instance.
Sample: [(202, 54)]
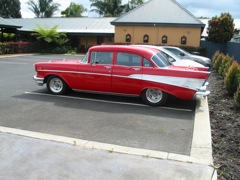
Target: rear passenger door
[(127, 73)]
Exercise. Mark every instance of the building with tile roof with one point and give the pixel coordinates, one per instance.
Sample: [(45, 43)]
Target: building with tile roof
[(159, 22)]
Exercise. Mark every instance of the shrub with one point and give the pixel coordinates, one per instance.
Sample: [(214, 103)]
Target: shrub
[(60, 50), (231, 81), (9, 36), (215, 56), (20, 47), (218, 62), (224, 66), (237, 95), (72, 52), (5, 48), (228, 64)]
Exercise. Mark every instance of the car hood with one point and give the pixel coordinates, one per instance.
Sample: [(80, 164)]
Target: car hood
[(205, 59), (188, 68), (186, 62)]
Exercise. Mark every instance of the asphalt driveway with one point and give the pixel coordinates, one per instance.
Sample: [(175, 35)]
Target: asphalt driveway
[(103, 118)]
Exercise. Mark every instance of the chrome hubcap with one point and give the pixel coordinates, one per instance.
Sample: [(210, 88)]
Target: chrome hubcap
[(154, 95), (56, 85)]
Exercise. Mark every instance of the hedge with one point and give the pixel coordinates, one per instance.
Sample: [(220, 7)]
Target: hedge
[(16, 47), (229, 69)]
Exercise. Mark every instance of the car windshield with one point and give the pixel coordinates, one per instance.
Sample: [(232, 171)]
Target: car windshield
[(178, 52), (160, 60), (186, 53), (85, 59), (172, 55)]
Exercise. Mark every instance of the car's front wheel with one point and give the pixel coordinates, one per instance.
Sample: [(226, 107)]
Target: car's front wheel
[(56, 85), (154, 97)]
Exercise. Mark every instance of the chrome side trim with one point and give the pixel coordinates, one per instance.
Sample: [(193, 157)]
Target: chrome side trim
[(75, 72), (39, 81)]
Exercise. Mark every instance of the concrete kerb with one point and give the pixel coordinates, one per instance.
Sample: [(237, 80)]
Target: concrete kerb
[(201, 150), (14, 55), (202, 139)]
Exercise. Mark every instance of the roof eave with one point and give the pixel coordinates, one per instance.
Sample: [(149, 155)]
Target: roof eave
[(155, 24), (9, 26)]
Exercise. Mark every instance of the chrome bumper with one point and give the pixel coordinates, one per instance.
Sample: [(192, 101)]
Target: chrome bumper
[(39, 81), (202, 92)]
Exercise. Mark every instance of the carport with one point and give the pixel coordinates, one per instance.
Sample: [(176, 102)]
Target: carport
[(7, 27)]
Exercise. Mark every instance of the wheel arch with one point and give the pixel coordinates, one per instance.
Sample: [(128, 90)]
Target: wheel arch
[(57, 75), (155, 87)]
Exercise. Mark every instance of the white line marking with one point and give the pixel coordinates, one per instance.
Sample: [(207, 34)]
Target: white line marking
[(111, 102)]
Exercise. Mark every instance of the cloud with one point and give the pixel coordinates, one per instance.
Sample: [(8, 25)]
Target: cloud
[(210, 8)]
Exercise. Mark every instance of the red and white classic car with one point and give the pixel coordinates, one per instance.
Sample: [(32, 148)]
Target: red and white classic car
[(125, 70)]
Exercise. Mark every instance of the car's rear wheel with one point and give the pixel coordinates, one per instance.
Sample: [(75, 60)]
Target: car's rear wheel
[(154, 97), (56, 85)]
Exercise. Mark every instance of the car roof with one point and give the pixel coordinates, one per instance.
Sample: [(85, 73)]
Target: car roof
[(161, 49), (173, 47), (144, 51)]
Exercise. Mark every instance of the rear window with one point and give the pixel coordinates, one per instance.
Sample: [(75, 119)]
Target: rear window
[(160, 60)]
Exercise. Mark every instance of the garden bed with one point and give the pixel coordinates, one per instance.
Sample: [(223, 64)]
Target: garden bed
[(225, 125)]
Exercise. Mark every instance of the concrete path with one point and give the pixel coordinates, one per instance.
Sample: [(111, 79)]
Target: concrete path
[(30, 158)]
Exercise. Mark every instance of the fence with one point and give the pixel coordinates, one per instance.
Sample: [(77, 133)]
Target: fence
[(230, 48)]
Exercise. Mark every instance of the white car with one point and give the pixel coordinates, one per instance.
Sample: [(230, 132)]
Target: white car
[(174, 59), (186, 55)]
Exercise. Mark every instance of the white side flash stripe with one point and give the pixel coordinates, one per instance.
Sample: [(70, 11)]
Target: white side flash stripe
[(189, 83)]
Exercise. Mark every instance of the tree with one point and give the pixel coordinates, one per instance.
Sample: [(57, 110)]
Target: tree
[(74, 10), (44, 8), (221, 29), (132, 4), (10, 9), (107, 8), (100, 7)]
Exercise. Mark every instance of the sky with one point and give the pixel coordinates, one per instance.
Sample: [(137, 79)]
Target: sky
[(199, 8)]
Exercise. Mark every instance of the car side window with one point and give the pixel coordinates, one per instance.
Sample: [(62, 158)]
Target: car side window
[(147, 63), (101, 57), (128, 59), (174, 51)]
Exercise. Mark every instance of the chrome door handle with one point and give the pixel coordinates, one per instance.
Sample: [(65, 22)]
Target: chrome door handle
[(108, 67), (136, 69)]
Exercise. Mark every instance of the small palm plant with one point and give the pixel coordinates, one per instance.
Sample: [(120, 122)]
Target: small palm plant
[(49, 37)]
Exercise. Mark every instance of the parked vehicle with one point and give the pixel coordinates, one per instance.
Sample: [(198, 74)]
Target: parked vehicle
[(186, 55), (125, 70), (176, 60)]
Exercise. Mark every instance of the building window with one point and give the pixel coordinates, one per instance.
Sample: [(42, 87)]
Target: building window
[(164, 39), (145, 38), (128, 38), (183, 40)]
